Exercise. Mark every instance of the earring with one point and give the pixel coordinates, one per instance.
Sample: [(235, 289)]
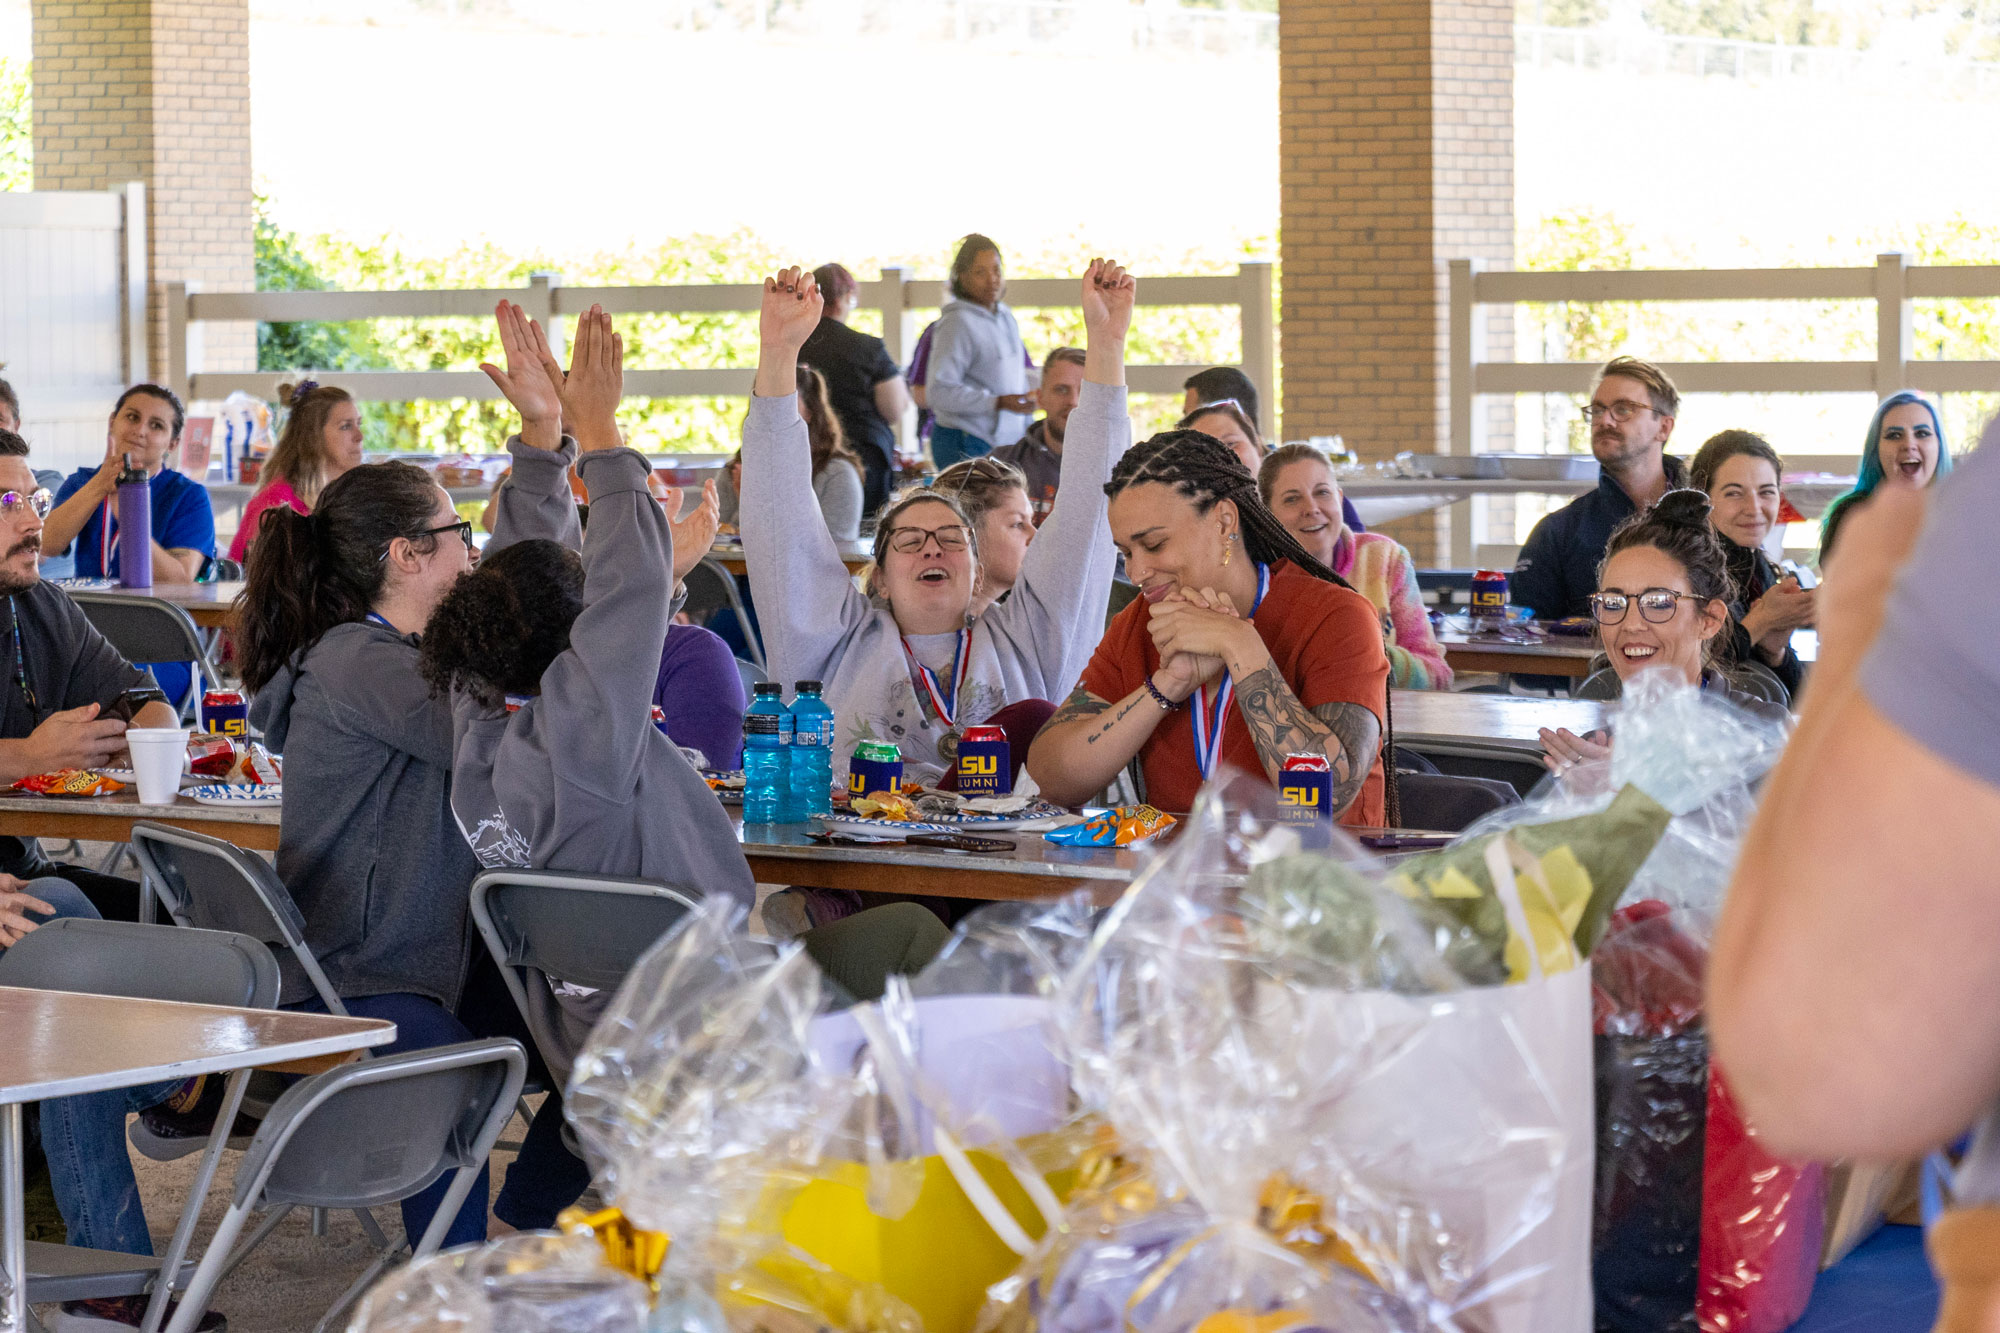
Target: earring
[(1228, 549)]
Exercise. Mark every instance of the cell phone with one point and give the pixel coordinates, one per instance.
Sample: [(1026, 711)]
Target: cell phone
[(127, 705), (959, 842), (1802, 574), (1405, 842)]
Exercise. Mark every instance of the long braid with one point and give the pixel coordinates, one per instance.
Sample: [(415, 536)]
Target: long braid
[(1204, 470)]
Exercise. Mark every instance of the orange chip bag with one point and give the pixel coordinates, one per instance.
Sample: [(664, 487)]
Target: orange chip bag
[(70, 782)]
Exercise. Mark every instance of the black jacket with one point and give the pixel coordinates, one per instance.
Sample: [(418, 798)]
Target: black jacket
[(1557, 570)]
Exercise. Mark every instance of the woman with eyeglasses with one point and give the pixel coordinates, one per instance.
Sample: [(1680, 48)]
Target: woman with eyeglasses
[(1662, 599), (326, 630), (918, 663)]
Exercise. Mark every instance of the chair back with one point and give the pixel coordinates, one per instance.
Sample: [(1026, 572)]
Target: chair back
[(147, 629), (751, 675), (710, 588), (379, 1130), (1448, 803), (143, 962), (215, 885), (544, 927)]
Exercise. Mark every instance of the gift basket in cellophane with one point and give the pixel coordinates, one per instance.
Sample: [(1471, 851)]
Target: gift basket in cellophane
[(1697, 1226), (872, 1167), (1336, 1093)]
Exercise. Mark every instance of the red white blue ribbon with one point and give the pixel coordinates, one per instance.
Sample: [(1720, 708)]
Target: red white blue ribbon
[(944, 706), (1211, 718)]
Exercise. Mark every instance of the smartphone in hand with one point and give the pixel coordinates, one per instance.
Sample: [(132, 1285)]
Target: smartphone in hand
[(127, 705)]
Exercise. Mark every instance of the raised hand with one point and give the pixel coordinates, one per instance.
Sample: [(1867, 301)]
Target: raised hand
[(1108, 294), (694, 534), (531, 382), (791, 310), (590, 393)]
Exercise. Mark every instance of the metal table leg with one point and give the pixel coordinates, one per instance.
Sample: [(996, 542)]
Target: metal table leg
[(13, 1222)]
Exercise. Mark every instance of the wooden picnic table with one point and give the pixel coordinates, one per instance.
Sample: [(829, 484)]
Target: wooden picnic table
[(1556, 655), (207, 604), (1501, 725), (857, 556), (61, 1043), (110, 818)]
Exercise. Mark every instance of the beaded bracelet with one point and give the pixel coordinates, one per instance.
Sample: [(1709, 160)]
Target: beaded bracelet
[(1158, 698)]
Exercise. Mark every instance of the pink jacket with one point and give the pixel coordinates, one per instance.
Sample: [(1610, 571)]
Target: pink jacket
[(1380, 570)]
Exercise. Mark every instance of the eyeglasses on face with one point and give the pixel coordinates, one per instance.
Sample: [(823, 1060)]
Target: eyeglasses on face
[(1621, 411), (951, 537), (13, 502), (1656, 605), (463, 528)]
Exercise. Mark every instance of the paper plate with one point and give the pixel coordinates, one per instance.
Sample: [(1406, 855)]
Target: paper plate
[(221, 793), (884, 828)]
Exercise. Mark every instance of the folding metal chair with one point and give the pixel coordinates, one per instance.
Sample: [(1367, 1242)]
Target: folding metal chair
[(544, 928), (751, 675), (150, 629), (369, 1133), (142, 962), (710, 587)]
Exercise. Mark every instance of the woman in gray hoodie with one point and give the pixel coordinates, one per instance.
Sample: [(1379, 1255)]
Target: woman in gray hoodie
[(327, 631), (551, 659)]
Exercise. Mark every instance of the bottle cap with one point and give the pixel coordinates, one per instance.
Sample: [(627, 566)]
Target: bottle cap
[(767, 687), (803, 685)]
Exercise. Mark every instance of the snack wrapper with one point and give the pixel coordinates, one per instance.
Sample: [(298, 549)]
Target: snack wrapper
[(532, 1282), (1264, 1164), (255, 767), (1126, 826), (70, 782), (210, 754)]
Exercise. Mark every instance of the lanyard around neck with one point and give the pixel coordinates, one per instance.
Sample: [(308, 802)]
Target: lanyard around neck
[(943, 698), (1211, 717)]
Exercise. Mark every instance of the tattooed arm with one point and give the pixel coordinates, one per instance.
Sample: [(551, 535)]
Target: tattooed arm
[(1088, 741), (1347, 734)]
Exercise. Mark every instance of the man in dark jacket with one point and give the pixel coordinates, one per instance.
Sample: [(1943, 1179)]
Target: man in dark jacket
[(1038, 453), (1631, 415)]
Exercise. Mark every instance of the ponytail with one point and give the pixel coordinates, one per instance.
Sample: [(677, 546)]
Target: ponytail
[(309, 573)]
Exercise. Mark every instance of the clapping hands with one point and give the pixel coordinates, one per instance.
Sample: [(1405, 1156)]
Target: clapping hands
[(590, 393)]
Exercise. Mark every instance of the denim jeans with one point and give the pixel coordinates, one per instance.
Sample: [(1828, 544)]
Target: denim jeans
[(84, 1137), (950, 445)]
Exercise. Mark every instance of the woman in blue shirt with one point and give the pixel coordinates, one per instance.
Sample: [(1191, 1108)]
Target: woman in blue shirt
[(145, 425)]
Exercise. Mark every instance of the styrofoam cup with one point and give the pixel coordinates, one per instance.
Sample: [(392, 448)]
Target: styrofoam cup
[(159, 754)]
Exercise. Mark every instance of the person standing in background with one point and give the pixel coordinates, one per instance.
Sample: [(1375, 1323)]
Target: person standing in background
[(1038, 453), (867, 389), (977, 383)]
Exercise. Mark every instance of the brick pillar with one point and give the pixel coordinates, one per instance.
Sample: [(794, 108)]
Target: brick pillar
[(1396, 134), (157, 91)]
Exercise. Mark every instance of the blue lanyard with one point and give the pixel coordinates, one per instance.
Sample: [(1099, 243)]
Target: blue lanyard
[(1210, 719)]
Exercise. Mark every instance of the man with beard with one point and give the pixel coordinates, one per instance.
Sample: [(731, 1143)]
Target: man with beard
[(1038, 453), (60, 685), (1631, 414)]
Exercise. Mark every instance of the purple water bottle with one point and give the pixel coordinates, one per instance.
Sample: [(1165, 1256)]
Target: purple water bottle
[(135, 528)]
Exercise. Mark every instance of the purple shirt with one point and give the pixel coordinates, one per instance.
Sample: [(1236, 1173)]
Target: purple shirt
[(702, 695)]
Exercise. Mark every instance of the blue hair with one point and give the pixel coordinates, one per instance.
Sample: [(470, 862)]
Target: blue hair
[(1871, 473)]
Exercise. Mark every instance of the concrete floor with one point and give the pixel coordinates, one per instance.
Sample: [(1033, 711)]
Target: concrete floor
[(293, 1277)]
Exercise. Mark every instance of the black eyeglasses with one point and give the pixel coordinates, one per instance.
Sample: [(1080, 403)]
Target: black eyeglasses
[(951, 537), (1656, 605), (1621, 411), (463, 528)]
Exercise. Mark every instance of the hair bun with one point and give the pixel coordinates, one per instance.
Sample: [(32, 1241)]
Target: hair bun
[(1686, 507)]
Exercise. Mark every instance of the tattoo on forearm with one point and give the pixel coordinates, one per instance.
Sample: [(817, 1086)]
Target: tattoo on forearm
[(1358, 733), (1081, 703), (1281, 725)]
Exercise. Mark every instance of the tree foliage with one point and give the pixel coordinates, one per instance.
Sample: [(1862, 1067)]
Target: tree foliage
[(17, 129)]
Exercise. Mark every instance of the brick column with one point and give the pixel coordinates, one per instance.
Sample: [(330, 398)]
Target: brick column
[(1396, 133), (157, 91)]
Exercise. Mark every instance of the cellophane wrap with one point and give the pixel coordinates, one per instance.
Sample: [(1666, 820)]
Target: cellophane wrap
[(1239, 1019), (534, 1282), (1696, 1226), (861, 1168)]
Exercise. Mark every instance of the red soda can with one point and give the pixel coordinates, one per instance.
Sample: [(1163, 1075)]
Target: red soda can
[(660, 719), (1305, 792), (1489, 598), (984, 765), (225, 712)]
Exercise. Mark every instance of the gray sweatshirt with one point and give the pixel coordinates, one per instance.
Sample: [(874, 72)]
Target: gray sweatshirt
[(976, 355), (818, 626), (577, 778), (366, 842)]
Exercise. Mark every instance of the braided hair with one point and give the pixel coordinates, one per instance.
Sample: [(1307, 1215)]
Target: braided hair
[(1204, 471)]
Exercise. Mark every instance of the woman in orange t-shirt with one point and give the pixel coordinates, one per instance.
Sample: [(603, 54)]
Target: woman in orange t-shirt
[(1242, 649)]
